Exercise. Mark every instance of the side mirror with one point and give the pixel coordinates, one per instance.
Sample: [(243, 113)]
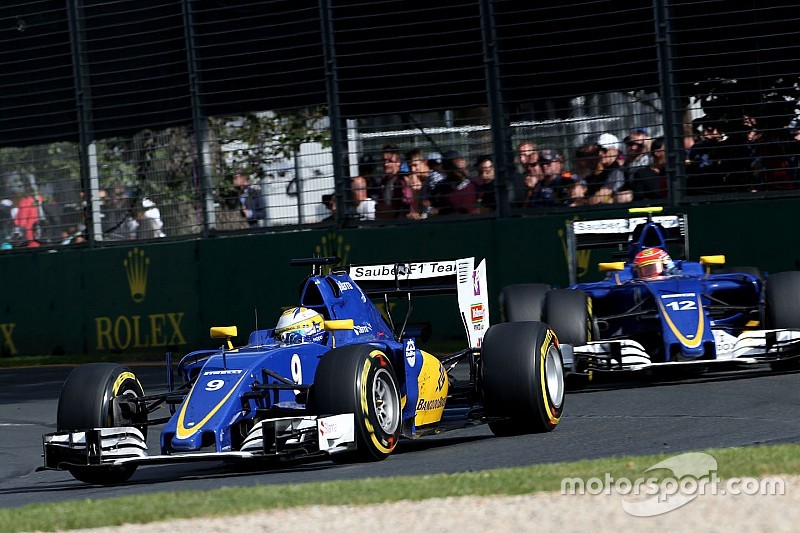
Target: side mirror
[(224, 332), (611, 267), (712, 260), (339, 325), (709, 260)]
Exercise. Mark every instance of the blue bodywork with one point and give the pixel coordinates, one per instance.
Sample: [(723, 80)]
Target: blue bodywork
[(231, 389), (673, 317)]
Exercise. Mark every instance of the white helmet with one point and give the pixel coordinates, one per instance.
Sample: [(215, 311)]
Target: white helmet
[(300, 324)]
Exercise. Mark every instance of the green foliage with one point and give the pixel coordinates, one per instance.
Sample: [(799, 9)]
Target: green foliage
[(270, 137)]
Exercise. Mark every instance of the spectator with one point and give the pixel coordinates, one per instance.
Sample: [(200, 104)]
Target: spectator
[(462, 197), (793, 151), (329, 201), (367, 169), (587, 161), (117, 222), (150, 225), (393, 182), (414, 194), (29, 211), (528, 157), (74, 235), (638, 146), (485, 185), (649, 183), (363, 204), (575, 191), (436, 187), (708, 160), (251, 201), (609, 183), (6, 218), (553, 175)]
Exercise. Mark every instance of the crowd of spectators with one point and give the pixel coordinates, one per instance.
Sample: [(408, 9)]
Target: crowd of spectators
[(30, 218), (720, 158), (419, 184)]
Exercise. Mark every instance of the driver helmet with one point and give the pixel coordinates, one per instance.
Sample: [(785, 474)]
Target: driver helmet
[(651, 263), (300, 324)]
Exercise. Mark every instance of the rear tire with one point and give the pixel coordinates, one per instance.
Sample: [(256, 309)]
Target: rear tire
[(567, 311), (87, 401), (782, 309), (522, 302), (359, 379), (522, 378)]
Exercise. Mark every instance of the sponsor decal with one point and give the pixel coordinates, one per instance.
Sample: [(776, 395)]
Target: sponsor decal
[(476, 283), (430, 405), (679, 295), (221, 372), (411, 352), (8, 346), (154, 330), (123, 332), (136, 268), (442, 378), (360, 329), (332, 245), (620, 225), (328, 427), (582, 257), (344, 285), (406, 271), (476, 312)]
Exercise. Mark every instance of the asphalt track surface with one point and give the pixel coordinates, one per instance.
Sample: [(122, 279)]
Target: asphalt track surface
[(631, 418)]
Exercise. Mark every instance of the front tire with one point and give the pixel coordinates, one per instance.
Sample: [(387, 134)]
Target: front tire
[(90, 398), (359, 379), (522, 378)]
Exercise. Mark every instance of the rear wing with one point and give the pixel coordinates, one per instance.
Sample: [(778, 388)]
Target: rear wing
[(618, 233), (459, 276)]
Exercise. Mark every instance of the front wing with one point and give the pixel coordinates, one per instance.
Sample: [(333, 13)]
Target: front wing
[(751, 347), (273, 438)]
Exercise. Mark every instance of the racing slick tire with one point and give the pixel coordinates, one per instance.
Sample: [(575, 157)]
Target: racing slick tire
[(522, 302), (359, 379), (568, 312), (782, 308), (90, 399), (522, 378)]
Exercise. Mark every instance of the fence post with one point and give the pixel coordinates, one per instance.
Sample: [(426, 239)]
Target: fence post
[(83, 104), (341, 170), (201, 166), (670, 103), (497, 115)]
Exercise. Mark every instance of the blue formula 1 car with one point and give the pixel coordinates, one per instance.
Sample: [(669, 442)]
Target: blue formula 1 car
[(333, 379), (651, 311)]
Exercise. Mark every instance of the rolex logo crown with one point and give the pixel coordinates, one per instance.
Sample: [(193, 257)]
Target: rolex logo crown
[(136, 267)]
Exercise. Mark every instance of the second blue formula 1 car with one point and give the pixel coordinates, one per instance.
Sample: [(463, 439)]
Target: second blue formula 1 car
[(651, 311), (333, 379)]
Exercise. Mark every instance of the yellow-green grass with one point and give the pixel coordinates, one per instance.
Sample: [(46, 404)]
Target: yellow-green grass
[(85, 513)]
